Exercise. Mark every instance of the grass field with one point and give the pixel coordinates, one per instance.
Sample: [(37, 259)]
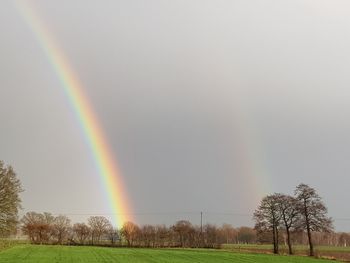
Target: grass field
[(341, 253), (58, 254), (284, 248), (7, 243)]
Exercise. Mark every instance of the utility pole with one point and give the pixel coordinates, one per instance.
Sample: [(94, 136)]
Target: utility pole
[(201, 228)]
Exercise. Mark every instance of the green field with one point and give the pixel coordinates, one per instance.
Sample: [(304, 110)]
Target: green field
[(333, 252), (57, 254), (296, 248)]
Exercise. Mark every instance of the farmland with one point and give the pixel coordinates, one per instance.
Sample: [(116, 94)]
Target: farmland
[(335, 252), (58, 254)]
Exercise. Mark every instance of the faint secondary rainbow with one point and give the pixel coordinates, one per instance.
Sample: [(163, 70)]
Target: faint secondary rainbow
[(107, 167)]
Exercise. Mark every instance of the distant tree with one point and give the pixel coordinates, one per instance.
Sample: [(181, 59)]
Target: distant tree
[(314, 212), (290, 217), (246, 235), (183, 229), (99, 226), (196, 236), (10, 202), (344, 239), (113, 235), (263, 236), (211, 236), (38, 227), (148, 235), (229, 234), (61, 228), (30, 224), (162, 235), (130, 232), (81, 231), (267, 218)]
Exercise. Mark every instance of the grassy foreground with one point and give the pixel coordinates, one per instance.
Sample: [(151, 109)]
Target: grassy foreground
[(340, 253), (58, 254)]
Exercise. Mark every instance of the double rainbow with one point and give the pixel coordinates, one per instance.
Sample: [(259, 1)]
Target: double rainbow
[(103, 157)]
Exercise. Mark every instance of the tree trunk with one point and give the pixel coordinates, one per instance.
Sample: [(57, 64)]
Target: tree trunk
[(275, 249), (289, 242), (311, 246), (277, 241)]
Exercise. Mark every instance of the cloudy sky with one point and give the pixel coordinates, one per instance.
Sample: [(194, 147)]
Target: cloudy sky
[(206, 105)]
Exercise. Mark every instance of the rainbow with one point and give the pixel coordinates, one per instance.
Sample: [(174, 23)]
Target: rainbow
[(106, 165)]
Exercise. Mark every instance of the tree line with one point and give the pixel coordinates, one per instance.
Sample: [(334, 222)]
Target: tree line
[(304, 212), (44, 228)]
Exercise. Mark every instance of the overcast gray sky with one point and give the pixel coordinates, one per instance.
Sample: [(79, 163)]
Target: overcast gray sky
[(207, 105)]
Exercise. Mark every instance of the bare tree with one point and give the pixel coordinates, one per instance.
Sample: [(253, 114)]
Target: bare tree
[(290, 217), (99, 226), (81, 231), (344, 239), (267, 218), (61, 228), (29, 225), (183, 229), (313, 211), (113, 235), (148, 235), (130, 232), (246, 235), (229, 234), (10, 202), (211, 236), (39, 227), (162, 235)]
